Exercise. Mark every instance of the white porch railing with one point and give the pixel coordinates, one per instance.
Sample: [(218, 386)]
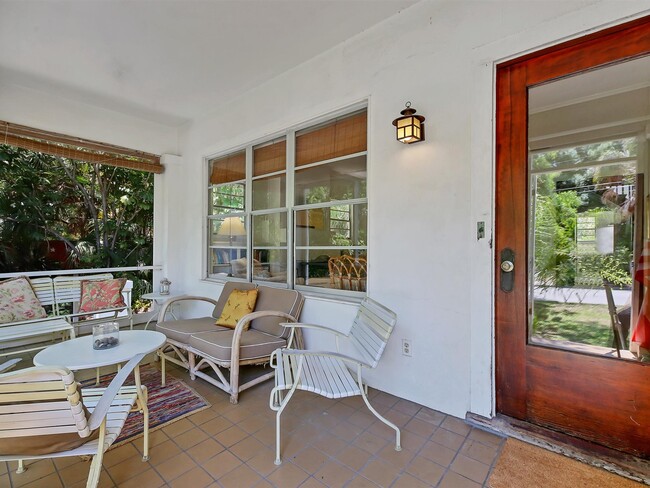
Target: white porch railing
[(78, 272), (137, 317)]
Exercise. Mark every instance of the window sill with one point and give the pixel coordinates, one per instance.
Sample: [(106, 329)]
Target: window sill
[(311, 293)]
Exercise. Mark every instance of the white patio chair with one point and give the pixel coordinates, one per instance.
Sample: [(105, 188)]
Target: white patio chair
[(332, 374), (38, 404)]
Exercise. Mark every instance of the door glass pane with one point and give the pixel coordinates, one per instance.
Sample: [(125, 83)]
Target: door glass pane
[(586, 165)]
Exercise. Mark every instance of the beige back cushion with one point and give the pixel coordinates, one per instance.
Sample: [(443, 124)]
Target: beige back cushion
[(225, 294), (281, 300)]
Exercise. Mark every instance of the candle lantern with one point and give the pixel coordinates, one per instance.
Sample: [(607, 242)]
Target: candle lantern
[(164, 286)]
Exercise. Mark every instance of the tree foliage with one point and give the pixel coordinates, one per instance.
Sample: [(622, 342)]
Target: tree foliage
[(565, 193), (103, 214)]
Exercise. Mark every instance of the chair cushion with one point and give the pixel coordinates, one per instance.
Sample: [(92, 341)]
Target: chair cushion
[(281, 300), (101, 294), (218, 345), (39, 445), (181, 330), (18, 301), (240, 303)]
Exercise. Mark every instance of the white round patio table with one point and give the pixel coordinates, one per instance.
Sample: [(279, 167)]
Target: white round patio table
[(77, 354)]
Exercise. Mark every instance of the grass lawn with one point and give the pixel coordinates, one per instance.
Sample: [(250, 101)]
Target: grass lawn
[(575, 322)]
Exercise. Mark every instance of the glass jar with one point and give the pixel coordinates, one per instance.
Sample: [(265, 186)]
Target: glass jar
[(106, 335)]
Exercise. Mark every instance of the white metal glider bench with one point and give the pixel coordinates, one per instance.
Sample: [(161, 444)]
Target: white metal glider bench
[(42, 415), (67, 290), (60, 295), (332, 374), (28, 331)]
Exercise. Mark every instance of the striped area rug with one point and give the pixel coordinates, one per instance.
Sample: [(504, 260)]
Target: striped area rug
[(167, 404)]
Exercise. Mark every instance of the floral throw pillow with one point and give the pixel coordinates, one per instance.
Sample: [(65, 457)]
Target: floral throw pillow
[(99, 295), (18, 301)]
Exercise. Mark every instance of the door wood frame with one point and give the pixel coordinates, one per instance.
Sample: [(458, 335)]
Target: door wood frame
[(528, 378)]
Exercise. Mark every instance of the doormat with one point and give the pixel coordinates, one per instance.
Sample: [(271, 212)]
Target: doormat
[(522, 464), (167, 404)]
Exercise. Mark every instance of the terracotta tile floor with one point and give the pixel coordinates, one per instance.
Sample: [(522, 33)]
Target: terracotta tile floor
[(335, 443)]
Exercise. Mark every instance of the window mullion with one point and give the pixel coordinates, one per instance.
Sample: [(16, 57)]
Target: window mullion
[(248, 205), (291, 165)]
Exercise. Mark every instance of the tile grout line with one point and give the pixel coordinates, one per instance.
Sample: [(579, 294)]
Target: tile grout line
[(494, 463)]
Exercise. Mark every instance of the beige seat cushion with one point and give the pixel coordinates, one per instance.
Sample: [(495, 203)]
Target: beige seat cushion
[(180, 330), (280, 299), (218, 345)]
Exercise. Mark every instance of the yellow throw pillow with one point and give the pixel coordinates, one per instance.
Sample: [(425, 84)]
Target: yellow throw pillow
[(240, 303)]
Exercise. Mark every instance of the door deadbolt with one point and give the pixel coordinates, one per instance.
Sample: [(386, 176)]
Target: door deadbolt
[(507, 266)]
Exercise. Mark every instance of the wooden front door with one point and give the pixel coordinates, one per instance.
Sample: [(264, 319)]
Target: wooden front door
[(571, 384)]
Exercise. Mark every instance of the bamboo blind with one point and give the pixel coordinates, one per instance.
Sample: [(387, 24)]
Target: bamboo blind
[(228, 168), (64, 146), (270, 158), (342, 137)]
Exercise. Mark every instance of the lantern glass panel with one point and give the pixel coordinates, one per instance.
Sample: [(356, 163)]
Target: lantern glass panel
[(403, 122)]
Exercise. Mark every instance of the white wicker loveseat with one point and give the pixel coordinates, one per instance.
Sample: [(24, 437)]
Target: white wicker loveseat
[(198, 344)]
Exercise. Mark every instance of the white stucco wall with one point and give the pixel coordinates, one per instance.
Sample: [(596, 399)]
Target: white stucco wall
[(424, 200)]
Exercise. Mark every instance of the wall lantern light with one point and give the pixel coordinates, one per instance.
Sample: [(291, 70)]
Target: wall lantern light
[(410, 127)]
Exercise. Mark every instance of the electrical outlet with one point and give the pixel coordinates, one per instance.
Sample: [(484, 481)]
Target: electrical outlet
[(406, 347)]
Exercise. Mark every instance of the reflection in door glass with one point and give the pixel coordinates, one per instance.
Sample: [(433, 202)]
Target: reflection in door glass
[(582, 214)]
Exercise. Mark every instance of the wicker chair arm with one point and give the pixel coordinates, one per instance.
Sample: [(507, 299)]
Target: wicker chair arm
[(171, 301), (239, 329), (264, 313), (249, 317), (111, 391)]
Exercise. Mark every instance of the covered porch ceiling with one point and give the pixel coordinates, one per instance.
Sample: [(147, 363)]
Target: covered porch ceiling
[(174, 61)]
